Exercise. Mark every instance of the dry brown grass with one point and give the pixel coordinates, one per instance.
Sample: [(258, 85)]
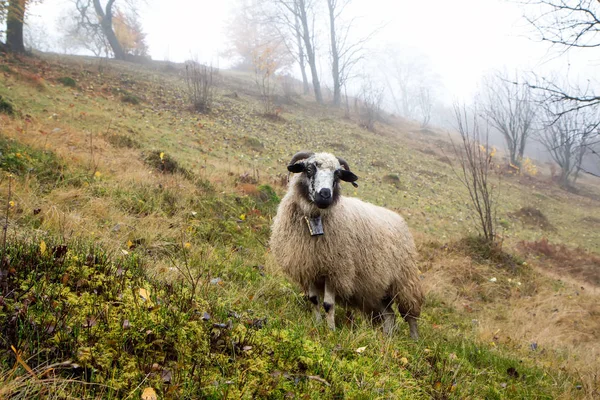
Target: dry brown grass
[(576, 263), (521, 310)]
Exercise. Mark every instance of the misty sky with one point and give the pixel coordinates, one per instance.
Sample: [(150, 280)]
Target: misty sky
[(463, 39)]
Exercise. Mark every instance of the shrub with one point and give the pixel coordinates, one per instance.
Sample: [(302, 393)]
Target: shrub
[(121, 141), (392, 179), (199, 80), (253, 143), (6, 106), (67, 81), (131, 99), (164, 163)]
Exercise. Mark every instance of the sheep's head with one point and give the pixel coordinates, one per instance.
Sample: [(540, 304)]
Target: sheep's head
[(320, 177)]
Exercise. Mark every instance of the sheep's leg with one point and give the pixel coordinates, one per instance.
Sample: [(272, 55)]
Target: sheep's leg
[(313, 296), (329, 305), (389, 317), (408, 313), (412, 324)]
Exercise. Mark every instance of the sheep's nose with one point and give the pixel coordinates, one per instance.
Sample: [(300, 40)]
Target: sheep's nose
[(325, 193)]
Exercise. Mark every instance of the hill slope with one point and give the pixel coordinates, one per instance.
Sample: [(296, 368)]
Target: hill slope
[(136, 251)]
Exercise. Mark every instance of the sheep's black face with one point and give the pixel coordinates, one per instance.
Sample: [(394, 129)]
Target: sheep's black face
[(320, 180)]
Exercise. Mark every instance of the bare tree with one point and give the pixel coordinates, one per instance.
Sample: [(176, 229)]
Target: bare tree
[(290, 30), (371, 97), (475, 158), (425, 105), (345, 52), (567, 24), (302, 13), (95, 18), (509, 107), (567, 138), (405, 72), (82, 36), (36, 36), (266, 63)]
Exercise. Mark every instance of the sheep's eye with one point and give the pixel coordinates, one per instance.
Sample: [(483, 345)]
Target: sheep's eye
[(311, 170)]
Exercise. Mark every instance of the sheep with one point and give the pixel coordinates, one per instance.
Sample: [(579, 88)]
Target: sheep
[(341, 247)]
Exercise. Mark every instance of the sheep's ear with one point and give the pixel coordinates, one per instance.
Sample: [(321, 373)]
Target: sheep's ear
[(347, 176), (297, 167)]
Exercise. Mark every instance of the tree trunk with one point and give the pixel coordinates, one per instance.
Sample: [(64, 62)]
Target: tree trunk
[(14, 26), (105, 18), (310, 53), (335, 57), (301, 60)]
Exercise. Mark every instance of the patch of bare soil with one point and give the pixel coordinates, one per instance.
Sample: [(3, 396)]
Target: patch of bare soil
[(577, 263), (532, 217)]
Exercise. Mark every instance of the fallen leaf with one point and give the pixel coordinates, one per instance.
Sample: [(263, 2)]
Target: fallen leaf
[(149, 394), (361, 349), (404, 361), (42, 247), (144, 294)]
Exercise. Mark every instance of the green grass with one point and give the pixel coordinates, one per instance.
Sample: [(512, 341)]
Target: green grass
[(22, 161), (120, 328)]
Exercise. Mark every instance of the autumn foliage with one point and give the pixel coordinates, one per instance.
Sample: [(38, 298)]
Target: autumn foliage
[(129, 33)]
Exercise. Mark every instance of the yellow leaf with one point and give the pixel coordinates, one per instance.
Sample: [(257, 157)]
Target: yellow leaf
[(145, 296), (42, 247), (129, 244), (162, 155), (404, 361), (243, 217), (149, 394)]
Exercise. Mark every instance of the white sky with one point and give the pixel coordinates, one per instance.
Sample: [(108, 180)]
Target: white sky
[(463, 39)]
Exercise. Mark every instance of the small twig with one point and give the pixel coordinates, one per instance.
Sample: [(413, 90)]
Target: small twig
[(318, 379)]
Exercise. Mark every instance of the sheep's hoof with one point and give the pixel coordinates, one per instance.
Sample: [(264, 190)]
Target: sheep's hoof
[(414, 330), (327, 307)]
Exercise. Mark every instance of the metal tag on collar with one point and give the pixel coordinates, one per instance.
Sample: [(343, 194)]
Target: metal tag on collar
[(314, 226)]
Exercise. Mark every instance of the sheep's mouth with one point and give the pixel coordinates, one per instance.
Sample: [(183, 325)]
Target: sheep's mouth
[(323, 203)]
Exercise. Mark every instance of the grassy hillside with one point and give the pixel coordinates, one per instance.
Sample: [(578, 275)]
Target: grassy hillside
[(136, 253)]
